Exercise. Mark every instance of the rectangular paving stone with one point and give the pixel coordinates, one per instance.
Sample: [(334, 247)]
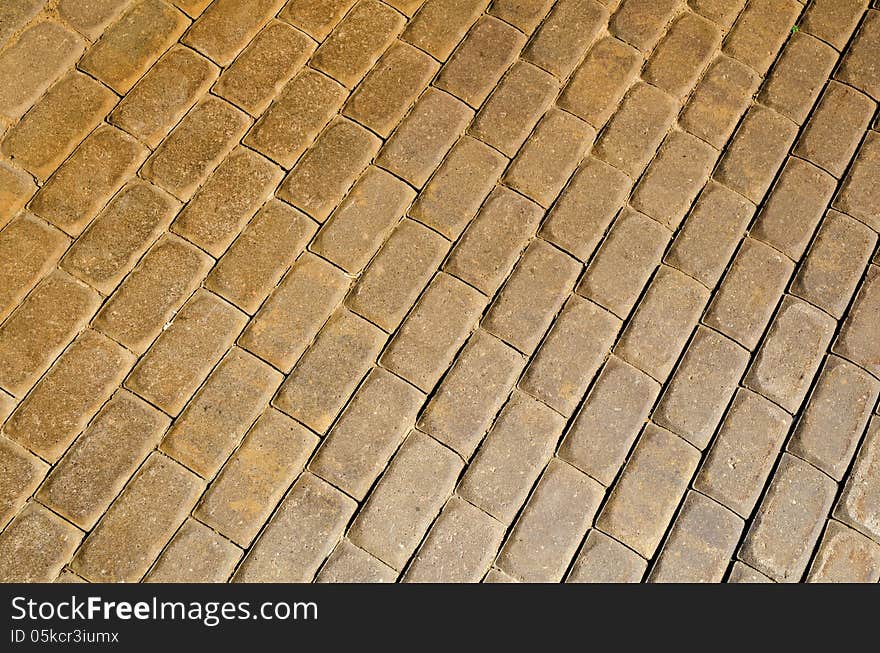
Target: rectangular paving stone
[(16, 188), (665, 463), (742, 455), (497, 576), (833, 21), (193, 8), (330, 370), (859, 67), (787, 526), (685, 51), (182, 356), (90, 19), (256, 476), (147, 513), (605, 560), (857, 340), (641, 23), (760, 31), (722, 12), (368, 432), (196, 554), (22, 473), (845, 556), (227, 26), (858, 505), (742, 573), (859, 195), (525, 16), (434, 331), (98, 465), (564, 36), (36, 545), (406, 7), (219, 415), (351, 564), (17, 15), (315, 18), (441, 24)]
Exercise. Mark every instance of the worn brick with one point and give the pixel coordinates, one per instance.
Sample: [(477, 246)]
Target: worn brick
[(89, 18), (7, 403), (15, 15), (859, 67), (858, 506), (641, 23), (858, 340), (227, 26), (196, 554), (407, 7), (22, 473), (67, 576), (193, 8), (860, 194), (440, 24), (685, 51), (833, 21), (497, 576), (564, 36), (524, 14), (760, 32), (351, 564), (722, 12), (845, 556), (36, 545), (16, 188), (317, 18), (605, 560), (742, 573)]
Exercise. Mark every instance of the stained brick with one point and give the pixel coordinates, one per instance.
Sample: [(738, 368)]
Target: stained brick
[(858, 340), (315, 17), (833, 21), (196, 554), (16, 188), (227, 26), (15, 15), (564, 36), (605, 560), (22, 473), (440, 24), (685, 51), (860, 194), (859, 67), (641, 23), (36, 545), (858, 506), (351, 564), (760, 32), (845, 556), (92, 18), (524, 15), (723, 12)]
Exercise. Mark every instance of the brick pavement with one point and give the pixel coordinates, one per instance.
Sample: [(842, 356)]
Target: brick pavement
[(440, 290)]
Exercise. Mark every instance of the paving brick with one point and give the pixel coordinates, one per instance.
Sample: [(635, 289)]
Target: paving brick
[(351, 564), (227, 200), (662, 322), (295, 311), (15, 15), (857, 340), (193, 8), (458, 187), (269, 61), (743, 453), (16, 188), (407, 7), (133, 43), (7, 403), (217, 418), (473, 390), (798, 76), (719, 100), (760, 31), (317, 18), (36, 545), (22, 473), (152, 294), (742, 573), (296, 116), (713, 229), (845, 556), (635, 131), (508, 463), (67, 576), (642, 23), (564, 36), (497, 576), (525, 15), (90, 19), (788, 523), (401, 508), (353, 234), (595, 88), (437, 327), (685, 51), (665, 463), (858, 505), (329, 168), (227, 26), (859, 67), (578, 220), (368, 433), (833, 21), (256, 476), (860, 196), (700, 544), (459, 548), (42, 52), (397, 275), (605, 560), (723, 12), (300, 536), (330, 370), (440, 24), (700, 389), (185, 352), (139, 524), (196, 554), (98, 465)]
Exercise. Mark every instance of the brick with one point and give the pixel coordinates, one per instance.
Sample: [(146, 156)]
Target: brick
[(743, 453), (182, 356), (161, 98), (196, 554), (16, 188), (514, 108), (858, 504), (760, 31), (139, 524), (719, 100), (296, 116), (193, 8), (491, 245), (36, 545), (641, 23), (432, 334), (662, 322), (665, 463), (833, 21), (832, 424), (497, 576), (859, 67), (219, 415), (564, 36), (609, 420), (328, 169), (330, 370), (315, 17), (791, 353), (351, 564), (407, 7), (457, 189), (196, 146), (303, 531), (256, 476), (685, 51), (22, 473), (67, 397), (62, 118), (722, 12), (549, 156), (605, 560), (508, 463), (7, 403), (227, 26), (67, 576), (133, 43), (700, 389), (524, 15), (98, 465), (424, 137), (15, 15), (43, 51), (756, 152), (401, 508), (359, 226), (367, 434), (840, 252), (845, 556), (461, 410), (700, 544), (859, 195), (397, 275), (635, 131), (857, 340), (295, 311), (440, 24), (269, 61), (798, 77), (788, 523), (579, 219), (707, 241), (459, 548), (742, 573), (90, 19), (597, 85)]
